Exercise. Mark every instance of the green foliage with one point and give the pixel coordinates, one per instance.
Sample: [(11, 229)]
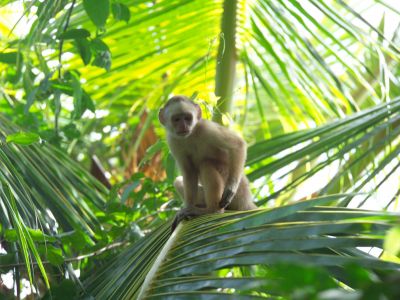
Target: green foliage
[(392, 241), (66, 290), (11, 58), (23, 138), (44, 194), (299, 251), (319, 66), (98, 11), (121, 12), (363, 137)]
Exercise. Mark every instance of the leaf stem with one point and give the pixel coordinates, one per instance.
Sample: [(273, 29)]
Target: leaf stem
[(62, 40)]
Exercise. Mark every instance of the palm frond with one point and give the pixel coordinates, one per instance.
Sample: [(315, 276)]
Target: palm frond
[(287, 49), (44, 195), (208, 256), (296, 59), (360, 146)]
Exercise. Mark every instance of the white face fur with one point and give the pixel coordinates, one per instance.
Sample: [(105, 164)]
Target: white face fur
[(181, 119)]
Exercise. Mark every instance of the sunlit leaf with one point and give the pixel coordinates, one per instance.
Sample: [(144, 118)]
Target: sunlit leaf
[(23, 138), (392, 241), (98, 11)]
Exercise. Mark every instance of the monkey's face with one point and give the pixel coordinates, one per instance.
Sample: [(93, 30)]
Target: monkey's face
[(182, 124), (180, 118)]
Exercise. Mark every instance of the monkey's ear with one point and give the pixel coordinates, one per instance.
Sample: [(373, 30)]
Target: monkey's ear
[(198, 109), (161, 116)]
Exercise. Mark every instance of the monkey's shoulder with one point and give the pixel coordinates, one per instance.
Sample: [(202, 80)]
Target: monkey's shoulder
[(204, 123), (209, 128)]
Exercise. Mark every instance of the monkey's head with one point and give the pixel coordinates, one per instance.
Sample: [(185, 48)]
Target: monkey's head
[(179, 116)]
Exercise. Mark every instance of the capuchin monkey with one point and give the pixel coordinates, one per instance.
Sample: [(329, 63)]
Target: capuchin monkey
[(211, 159)]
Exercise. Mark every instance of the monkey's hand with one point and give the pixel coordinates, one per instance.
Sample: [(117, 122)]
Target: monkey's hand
[(227, 195), (185, 214)]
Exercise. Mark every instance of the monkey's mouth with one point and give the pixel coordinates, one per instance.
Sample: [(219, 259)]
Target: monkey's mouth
[(183, 133)]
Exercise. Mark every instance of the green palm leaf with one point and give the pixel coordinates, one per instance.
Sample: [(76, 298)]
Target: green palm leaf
[(289, 56), (368, 138), (44, 195), (196, 259)]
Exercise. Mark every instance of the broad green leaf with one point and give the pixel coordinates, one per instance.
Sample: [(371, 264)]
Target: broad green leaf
[(71, 131), (120, 12), (78, 239), (83, 46), (38, 236), (30, 99), (23, 138), (88, 102), (102, 54), (98, 45), (77, 93), (75, 34), (392, 241), (11, 57), (10, 235), (65, 290), (7, 262), (98, 11), (53, 254)]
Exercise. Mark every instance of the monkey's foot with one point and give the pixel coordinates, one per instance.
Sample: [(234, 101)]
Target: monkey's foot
[(226, 198), (184, 214)]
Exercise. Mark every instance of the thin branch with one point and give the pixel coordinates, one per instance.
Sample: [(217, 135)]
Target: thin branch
[(60, 50), (97, 252)]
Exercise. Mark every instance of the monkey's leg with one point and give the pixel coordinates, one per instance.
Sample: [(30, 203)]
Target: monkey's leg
[(213, 185), (209, 193), (188, 212), (200, 201)]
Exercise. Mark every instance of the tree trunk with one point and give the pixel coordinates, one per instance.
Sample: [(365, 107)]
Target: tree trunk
[(226, 61)]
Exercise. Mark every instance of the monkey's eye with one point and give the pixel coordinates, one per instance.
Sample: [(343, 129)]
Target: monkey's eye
[(188, 118), (175, 120)]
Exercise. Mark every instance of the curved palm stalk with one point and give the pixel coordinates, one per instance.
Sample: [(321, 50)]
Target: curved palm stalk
[(208, 257)]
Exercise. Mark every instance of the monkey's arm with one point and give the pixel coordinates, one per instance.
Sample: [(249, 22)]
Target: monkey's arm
[(236, 168), (236, 148)]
